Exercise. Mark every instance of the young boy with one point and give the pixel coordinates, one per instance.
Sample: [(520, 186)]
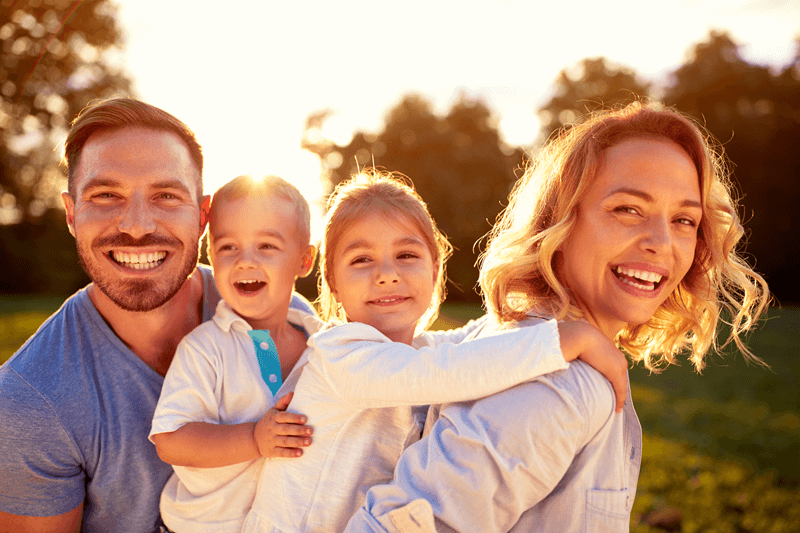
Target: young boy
[(219, 414)]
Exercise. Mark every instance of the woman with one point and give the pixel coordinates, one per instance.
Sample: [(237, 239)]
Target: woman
[(625, 221)]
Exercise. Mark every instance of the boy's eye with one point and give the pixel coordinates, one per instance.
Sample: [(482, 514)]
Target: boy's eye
[(267, 246), (360, 259)]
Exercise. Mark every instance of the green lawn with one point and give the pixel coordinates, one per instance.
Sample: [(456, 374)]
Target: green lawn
[(722, 447)]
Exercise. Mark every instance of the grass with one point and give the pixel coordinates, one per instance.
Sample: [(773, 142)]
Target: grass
[(721, 447)]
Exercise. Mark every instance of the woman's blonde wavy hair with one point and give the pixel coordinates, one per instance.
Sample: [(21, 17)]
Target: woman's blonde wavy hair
[(390, 194), (517, 274)]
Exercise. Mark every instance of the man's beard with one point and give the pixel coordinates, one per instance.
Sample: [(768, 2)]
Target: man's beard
[(137, 295)]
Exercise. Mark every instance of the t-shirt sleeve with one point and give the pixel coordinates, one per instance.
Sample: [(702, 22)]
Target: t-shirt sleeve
[(190, 387), (40, 467)]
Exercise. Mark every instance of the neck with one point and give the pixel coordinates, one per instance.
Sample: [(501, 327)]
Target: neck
[(154, 335)]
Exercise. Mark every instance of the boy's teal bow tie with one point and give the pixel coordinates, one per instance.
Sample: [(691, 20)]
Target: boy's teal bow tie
[(268, 361)]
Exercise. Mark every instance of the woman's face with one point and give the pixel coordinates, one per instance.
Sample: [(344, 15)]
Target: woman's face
[(635, 234)]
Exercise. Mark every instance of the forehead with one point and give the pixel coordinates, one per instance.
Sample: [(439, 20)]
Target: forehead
[(254, 213), (136, 157), (377, 229), (656, 164)]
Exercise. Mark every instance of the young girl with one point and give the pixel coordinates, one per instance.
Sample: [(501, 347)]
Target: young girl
[(382, 276)]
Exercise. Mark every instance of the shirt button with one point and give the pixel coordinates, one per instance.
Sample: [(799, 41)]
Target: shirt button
[(264, 346), (273, 378)]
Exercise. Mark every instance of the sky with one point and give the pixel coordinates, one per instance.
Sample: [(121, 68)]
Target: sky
[(245, 74)]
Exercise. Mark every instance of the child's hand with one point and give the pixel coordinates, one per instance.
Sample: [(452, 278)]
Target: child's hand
[(282, 434), (581, 340)]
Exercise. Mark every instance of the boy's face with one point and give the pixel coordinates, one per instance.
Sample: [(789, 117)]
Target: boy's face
[(257, 257)]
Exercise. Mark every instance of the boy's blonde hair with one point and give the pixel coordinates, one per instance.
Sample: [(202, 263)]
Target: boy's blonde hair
[(244, 186), (517, 275), (389, 194)]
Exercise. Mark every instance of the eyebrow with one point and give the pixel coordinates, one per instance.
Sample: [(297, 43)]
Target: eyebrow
[(98, 183), (647, 197), (405, 241), (274, 234)]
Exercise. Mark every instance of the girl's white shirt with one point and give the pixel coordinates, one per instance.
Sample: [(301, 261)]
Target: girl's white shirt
[(366, 399)]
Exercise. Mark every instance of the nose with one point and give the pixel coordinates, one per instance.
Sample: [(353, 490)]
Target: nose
[(246, 258), (657, 238), (137, 219), (387, 272)]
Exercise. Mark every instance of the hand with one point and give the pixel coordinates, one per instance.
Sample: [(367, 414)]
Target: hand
[(581, 340), (280, 433)]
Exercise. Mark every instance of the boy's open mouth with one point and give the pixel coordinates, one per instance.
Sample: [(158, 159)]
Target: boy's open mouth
[(249, 286)]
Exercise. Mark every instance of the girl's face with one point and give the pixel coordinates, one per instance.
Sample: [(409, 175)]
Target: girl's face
[(384, 275), (635, 234)]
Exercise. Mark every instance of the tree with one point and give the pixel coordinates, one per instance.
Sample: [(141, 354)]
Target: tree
[(55, 57), (457, 163), (592, 84), (753, 113)]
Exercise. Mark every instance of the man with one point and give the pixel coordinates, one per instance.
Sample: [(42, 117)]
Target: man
[(77, 400)]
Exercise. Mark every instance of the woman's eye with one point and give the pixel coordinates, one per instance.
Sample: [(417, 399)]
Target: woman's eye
[(687, 222), (627, 209)]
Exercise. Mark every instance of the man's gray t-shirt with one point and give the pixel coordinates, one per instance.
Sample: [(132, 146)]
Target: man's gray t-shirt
[(76, 407)]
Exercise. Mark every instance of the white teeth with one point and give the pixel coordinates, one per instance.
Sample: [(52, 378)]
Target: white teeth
[(247, 281), (643, 275), (139, 261)]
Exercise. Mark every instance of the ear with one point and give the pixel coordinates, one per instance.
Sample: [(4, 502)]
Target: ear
[(69, 209), (205, 206), (308, 261)]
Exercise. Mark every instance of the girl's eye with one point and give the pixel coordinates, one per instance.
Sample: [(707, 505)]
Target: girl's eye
[(407, 255)]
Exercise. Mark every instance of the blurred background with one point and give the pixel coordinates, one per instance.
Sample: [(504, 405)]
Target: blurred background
[(457, 96)]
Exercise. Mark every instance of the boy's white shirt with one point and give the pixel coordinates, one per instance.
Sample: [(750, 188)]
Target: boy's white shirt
[(215, 378), (359, 390)]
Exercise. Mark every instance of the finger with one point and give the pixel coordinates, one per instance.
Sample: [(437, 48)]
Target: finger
[(283, 402), (286, 452), (621, 393), (293, 442), (285, 417), (296, 430)]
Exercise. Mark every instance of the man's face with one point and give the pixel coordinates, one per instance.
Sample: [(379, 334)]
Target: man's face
[(136, 217)]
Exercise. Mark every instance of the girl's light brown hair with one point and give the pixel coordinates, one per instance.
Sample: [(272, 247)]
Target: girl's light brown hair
[(389, 194), (517, 274)]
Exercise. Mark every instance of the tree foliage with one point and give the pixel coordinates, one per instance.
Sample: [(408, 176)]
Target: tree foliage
[(55, 57), (592, 84), (457, 162), (755, 113)]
